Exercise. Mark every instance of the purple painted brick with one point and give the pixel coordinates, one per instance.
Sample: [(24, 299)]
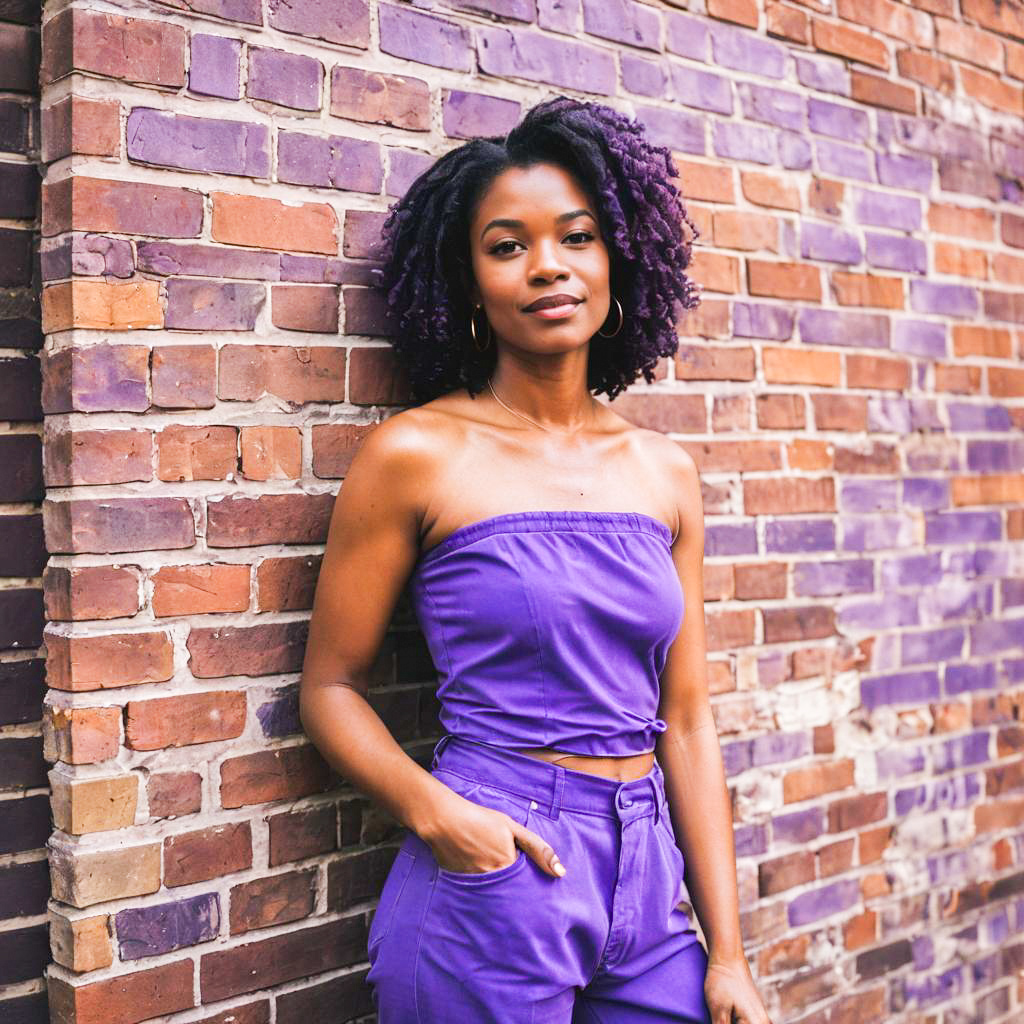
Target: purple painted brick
[(106, 378), (519, 10), (424, 38), (643, 77), (559, 15), (515, 53), (673, 128), (896, 252), (912, 570), (824, 902), (872, 495), (839, 121), (751, 840), (889, 414), (961, 751), (932, 645), (315, 269), (333, 162), (778, 747), (899, 688), (886, 209), (941, 138), (736, 140), (925, 492), (800, 535), (896, 762), (198, 143), (945, 299), (832, 327), (964, 527), (971, 416), (280, 716), (622, 22), (774, 106), (888, 612), (754, 320), (213, 306), (743, 50), (168, 259), (940, 988), (215, 66), (338, 21), (794, 152), (823, 74), (920, 337), (405, 167), (466, 115), (820, 578), (736, 757), (967, 677), (874, 532), (83, 255), (997, 635), (798, 826), (924, 412), (687, 36), (940, 794), (910, 172), (247, 11), (701, 89), (731, 539), (946, 867), (829, 242), (287, 79), (843, 161), (994, 456), (149, 931)]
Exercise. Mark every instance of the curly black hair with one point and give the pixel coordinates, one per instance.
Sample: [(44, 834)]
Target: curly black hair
[(426, 257)]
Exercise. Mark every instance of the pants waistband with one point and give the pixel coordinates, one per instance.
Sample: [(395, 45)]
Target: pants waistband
[(553, 786)]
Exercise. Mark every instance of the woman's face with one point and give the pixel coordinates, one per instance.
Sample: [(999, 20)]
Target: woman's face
[(535, 234)]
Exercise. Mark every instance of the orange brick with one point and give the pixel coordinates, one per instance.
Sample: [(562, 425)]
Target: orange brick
[(784, 280), (1007, 269), (716, 271), (101, 662), (305, 307), (287, 584), (977, 340), (797, 366), (197, 453), (787, 23), (124, 999), (962, 221), (991, 489), (711, 183), (992, 91), (271, 224), (881, 92), (81, 945), (298, 375), (963, 262), (285, 774), (83, 806), (197, 589), (82, 876), (182, 721), (1014, 59), (1005, 382), (965, 42), (926, 68), (271, 453), (83, 126), (102, 305), (742, 12), (766, 189), (81, 735), (737, 229), (864, 371), (960, 379), (706, 362), (709, 320), (892, 19), (826, 196), (867, 290), (90, 592), (788, 496), (848, 42)]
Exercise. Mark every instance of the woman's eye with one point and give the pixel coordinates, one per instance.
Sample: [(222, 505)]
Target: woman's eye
[(584, 235)]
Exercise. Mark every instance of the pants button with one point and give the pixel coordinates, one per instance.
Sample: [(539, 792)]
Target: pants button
[(533, 805)]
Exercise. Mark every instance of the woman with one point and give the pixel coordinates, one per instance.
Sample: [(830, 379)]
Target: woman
[(552, 548)]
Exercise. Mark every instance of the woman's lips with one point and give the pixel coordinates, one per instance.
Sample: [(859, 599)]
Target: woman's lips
[(555, 312)]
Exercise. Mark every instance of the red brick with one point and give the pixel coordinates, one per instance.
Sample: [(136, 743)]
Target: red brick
[(1002, 18), (978, 340), (270, 224), (742, 12), (893, 19), (964, 222), (740, 229), (781, 496), (787, 23), (335, 446), (185, 376), (926, 68), (196, 589), (374, 97), (992, 91), (881, 92), (105, 526), (101, 305), (296, 835), (277, 899), (174, 794), (81, 735), (375, 377), (784, 280), (90, 592), (781, 873), (848, 42), (150, 52), (269, 519), (247, 650), (284, 774), (878, 372), (298, 307), (766, 189), (867, 290), (74, 457), (207, 853), (184, 720), (197, 453), (709, 183), (298, 375), (80, 663), (249, 1013), (271, 453), (287, 584), (96, 378), (125, 999), (81, 126)]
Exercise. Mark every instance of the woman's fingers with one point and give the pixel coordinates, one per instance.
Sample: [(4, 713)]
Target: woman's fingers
[(539, 850)]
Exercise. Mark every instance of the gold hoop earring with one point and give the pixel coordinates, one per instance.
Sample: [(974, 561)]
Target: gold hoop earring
[(622, 320), (472, 330)]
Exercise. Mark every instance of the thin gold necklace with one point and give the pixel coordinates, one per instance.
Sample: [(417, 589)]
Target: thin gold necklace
[(521, 415)]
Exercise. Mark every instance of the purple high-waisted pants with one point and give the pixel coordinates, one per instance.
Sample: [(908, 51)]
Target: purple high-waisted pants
[(604, 944)]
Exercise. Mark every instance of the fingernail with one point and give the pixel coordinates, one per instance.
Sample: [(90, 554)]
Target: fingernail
[(559, 868)]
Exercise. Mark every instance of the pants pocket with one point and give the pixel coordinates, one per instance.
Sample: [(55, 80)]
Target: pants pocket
[(389, 897)]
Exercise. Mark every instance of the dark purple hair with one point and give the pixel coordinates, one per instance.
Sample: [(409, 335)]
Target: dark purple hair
[(426, 257)]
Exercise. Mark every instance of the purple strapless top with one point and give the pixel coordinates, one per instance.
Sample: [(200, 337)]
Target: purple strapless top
[(551, 629)]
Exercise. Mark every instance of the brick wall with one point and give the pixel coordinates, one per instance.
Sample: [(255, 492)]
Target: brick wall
[(216, 174), (24, 800)]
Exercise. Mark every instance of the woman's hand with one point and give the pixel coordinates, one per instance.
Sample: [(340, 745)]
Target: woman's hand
[(477, 839), (731, 995)]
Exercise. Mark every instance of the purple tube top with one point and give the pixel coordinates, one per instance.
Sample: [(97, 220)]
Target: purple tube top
[(551, 629)]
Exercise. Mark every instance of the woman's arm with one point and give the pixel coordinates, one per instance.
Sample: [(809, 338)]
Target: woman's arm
[(372, 546)]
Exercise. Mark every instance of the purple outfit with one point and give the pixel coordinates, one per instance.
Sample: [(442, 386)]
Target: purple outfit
[(548, 629)]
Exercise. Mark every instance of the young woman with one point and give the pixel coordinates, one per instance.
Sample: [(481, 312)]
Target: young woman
[(552, 549)]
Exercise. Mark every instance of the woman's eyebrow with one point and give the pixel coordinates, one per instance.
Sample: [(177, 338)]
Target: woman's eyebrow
[(505, 222)]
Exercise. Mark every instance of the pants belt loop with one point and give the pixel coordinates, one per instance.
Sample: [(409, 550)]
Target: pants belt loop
[(556, 795), (657, 798), (439, 747)]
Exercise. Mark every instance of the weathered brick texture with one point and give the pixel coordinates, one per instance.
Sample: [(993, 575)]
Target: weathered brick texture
[(851, 387)]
